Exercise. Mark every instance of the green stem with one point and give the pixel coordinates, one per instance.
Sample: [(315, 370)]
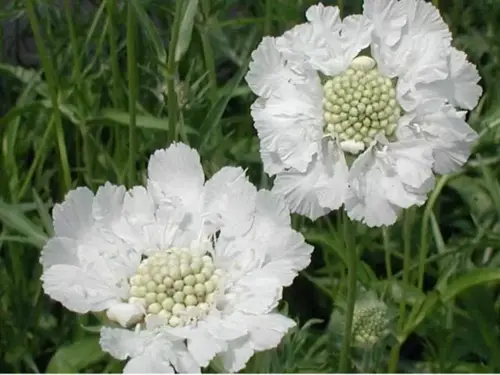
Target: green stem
[(393, 358), (407, 228), (113, 54), (77, 76), (208, 53), (268, 20), (352, 259), (132, 89), (387, 250), (424, 233), (340, 4), (436, 3), (53, 84), (171, 74)]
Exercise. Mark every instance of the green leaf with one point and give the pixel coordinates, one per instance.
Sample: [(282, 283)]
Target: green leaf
[(419, 312), (150, 30), (143, 121), (43, 211), (468, 280), (13, 218), (186, 30), (76, 357), (473, 193)]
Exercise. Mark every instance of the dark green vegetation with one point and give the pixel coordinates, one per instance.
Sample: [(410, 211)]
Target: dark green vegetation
[(66, 122)]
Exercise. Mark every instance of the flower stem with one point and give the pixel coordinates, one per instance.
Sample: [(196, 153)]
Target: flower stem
[(387, 250), (424, 233), (132, 88), (407, 227), (352, 259), (172, 103), (53, 86), (340, 4)]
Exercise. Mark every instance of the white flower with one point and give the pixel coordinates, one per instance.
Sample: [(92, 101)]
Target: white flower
[(190, 269), (337, 126)]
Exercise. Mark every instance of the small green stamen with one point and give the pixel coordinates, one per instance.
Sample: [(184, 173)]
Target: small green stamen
[(176, 285), (359, 104)]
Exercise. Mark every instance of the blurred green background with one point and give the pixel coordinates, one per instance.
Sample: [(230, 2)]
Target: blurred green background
[(68, 88)]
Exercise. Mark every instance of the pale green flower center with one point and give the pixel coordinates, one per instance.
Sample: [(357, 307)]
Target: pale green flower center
[(359, 104), (176, 285), (369, 323)]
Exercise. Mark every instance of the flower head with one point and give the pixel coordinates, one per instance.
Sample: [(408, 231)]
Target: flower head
[(190, 269), (362, 111)]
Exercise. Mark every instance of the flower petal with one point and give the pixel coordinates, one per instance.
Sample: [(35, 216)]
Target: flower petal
[(148, 363), (176, 173), (424, 18), (461, 87), (291, 123), (78, 290), (59, 250), (108, 203), (73, 217), (229, 201), (122, 343), (203, 347), (267, 331), (268, 70), (320, 189), (236, 356), (287, 254), (384, 181), (388, 18), (445, 132)]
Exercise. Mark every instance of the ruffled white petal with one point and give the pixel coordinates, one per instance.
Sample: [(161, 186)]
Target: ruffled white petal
[(203, 347), (235, 358), (290, 123), (425, 64), (59, 250), (272, 209), (445, 131), (423, 18), (268, 70), (126, 314), (73, 217), (461, 87), (324, 19), (229, 201), (122, 343), (320, 189), (150, 351), (381, 183), (148, 363), (108, 203), (282, 251), (335, 42), (388, 18), (78, 290), (355, 35), (176, 173), (265, 332), (288, 254), (255, 292)]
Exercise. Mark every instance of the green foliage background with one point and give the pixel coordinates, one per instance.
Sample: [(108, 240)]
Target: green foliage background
[(68, 122)]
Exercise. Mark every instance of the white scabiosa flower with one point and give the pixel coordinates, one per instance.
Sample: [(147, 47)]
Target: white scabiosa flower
[(190, 269), (362, 111)]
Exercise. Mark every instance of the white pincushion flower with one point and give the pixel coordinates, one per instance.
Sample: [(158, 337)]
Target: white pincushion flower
[(362, 111), (190, 269)]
